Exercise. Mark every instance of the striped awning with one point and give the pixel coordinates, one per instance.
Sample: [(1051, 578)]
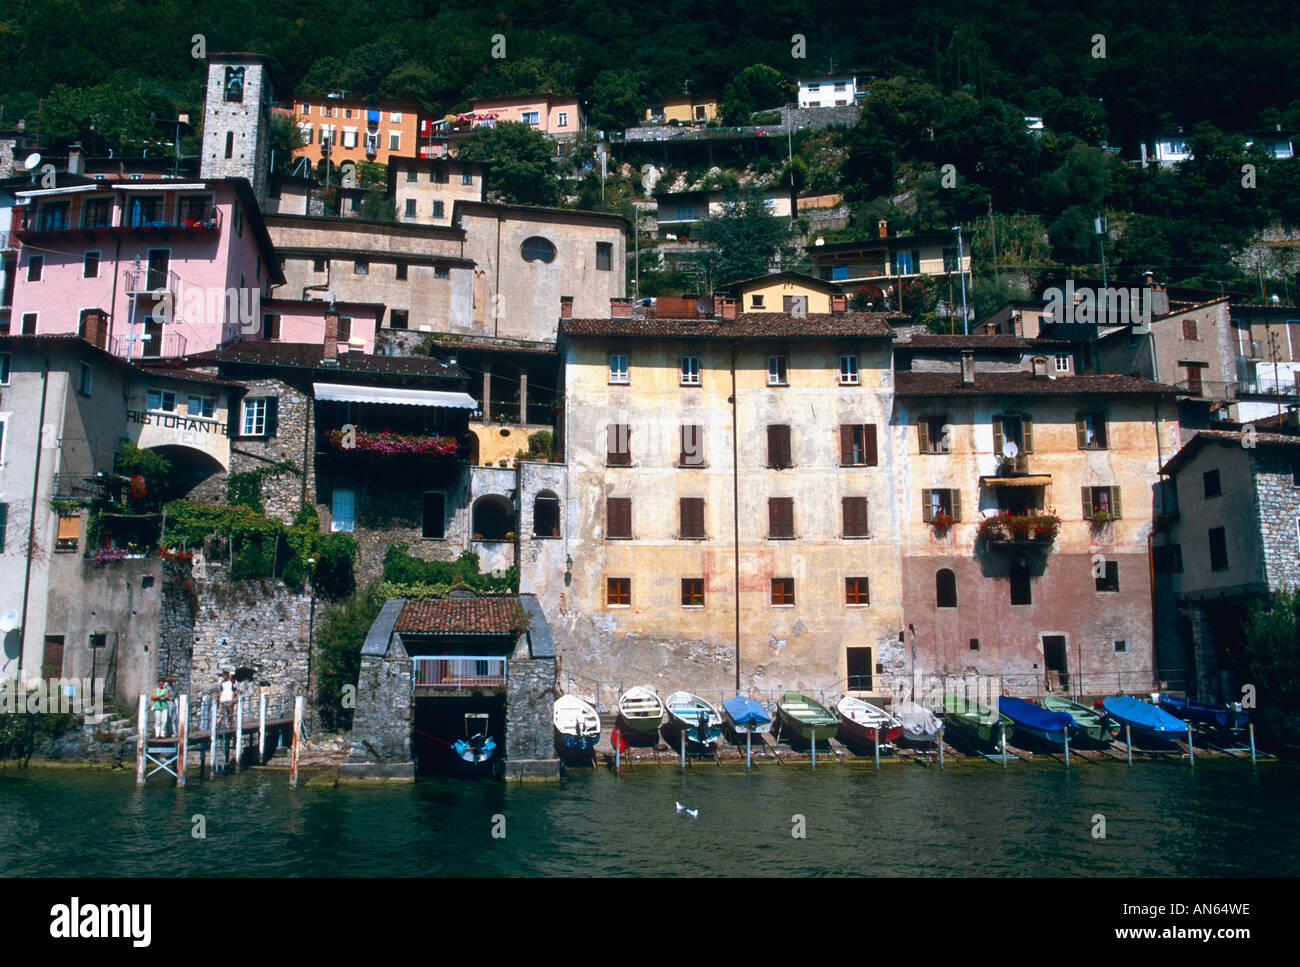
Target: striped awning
[(1033, 480), (342, 393)]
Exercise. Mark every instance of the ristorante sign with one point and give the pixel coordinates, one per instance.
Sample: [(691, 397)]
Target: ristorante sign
[(177, 421)]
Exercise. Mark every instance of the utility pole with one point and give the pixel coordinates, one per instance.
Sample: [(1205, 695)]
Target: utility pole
[(1100, 224), (993, 237), (961, 267)]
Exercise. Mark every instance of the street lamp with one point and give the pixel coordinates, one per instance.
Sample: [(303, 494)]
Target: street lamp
[(961, 269)]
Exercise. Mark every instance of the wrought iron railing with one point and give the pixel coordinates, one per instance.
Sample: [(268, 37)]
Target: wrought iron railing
[(1210, 389), (459, 671), (144, 280), (166, 345)]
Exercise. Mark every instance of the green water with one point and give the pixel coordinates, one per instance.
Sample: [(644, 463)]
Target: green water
[(1031, 819)]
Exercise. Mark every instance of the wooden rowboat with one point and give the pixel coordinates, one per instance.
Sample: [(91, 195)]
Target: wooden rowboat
[(1093, 729), (698, 719), (865, 724), (805, 717), (640, 710), (577, 726), (979, 725)]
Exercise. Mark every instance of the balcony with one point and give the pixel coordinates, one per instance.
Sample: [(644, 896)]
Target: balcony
[(386, 444), (1206, 389), (459, 672), (1017, 466), (152, 282), (1268, 386), (1017, 531), (148, 345), (28, 227)]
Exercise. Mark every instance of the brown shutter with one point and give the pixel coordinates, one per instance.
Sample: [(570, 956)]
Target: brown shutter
[(923, 433), (1087, 502), (927, 514), (846, 445), (773, 445), (787, 516), (997, 437), (1027, 434), (1114, 502), (780, 517), (618, 512), (1081, 431), (956, 504), (869, 444), (855, 516), (692, 516)]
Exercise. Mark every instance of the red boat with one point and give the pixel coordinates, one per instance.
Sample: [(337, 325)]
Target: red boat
[(861, 723)]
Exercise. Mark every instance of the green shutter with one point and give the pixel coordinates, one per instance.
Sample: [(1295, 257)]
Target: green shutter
[(956, 504), (923, 433), (1114, 502), (1081, 431), (997, 437), (926, 515), (1027, 432), (1087, 502)]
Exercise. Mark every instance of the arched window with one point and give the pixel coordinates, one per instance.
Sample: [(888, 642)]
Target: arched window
[(494, 518), (537, 249), (546, 515), (945, 589)]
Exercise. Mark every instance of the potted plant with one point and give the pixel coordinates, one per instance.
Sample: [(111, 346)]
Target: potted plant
[(1046, 526), (942, 522), (510, 535), (1020, 526), (1101, 517), (992, 529)]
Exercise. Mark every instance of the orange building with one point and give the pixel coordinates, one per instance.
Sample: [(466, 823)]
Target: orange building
[(359, 130)]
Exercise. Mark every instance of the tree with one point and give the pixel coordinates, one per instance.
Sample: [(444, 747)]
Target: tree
[(285, 137), (1271, 650), (746, 236), (616, 100), (755, 88), (343, 631), (376, 206), (104, 118), (522, 160)]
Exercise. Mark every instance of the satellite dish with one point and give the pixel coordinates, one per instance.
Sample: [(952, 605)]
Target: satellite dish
[(9, 621), (32, 161), (1010, 450), (820, 241)]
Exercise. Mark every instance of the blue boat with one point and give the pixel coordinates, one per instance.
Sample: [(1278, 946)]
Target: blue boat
[(1035, 722), (1144, 719), (577, 725), (746, 715), (1225, 716), (474, 753)]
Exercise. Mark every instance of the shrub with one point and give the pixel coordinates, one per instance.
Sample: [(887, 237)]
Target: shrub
[(343, 631)]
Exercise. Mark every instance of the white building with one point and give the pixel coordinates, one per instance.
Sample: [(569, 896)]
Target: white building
[(829, 90)]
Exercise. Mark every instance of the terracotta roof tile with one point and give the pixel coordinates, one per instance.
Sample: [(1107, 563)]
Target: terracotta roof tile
[(749, 325), (463, 616), (1022, 383), (307, 355)]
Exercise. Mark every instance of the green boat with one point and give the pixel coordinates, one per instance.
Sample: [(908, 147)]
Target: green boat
[(805, 717), (979, 725), (1095, 728)]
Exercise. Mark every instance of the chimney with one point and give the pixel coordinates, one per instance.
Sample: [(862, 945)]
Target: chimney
[(1039, 364), (331, 347), (566, 307), (724, 307), (95, 327), (1148, 278), (620, 308), (76, 163), (839, 305), (882, 227), (990, 328), (967, 368), (1159, 300)]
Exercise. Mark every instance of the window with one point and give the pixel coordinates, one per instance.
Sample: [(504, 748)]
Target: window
[(1062, 363), (399, 271), (343, 511), (85, 379), (692, 592), (349, 137), (604, 255), (54, 216), (95, 212), (933, 433), (945, 589), (778, 445), (1189, 330), (440, 271), (6, 368), (440, 176), (270, 325), (394, 117), (307, 135), (29, 323), (35, 267), (410, 208), (394, 140), (1100, 501), (528, 117), (796, 305), (398, 319), (756, 301), (438, 209), (434, 515), (1021, 593), (234, 86), (855, 516), (90, 265), (1090, 431), (1108, 579), (950, 260), (562, 119), (776, 371), (856, 591), (1121, 646), (361, 267), (618, 452), (467, 177), (691, 511), (905, 263), (618, 518), (1168, 558), (848, 370), (230, 144), (692, 451), (255, 417), (1218, 549), (685, 212), (618, 592), (68, 532), (537, 249), (858, 445), (1213, 486), (618, 368), (546, 515), (974, 644), (326, 111), (201, 407), (1013, 435), (780, 518), (412, 175), (318, 265), (936, 502), (347, 112), (690, 370), (783, 592)]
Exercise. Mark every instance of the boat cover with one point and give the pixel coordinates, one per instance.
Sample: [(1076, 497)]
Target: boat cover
[(745, 711), (1134, 711), (1033, 716), (917, 719), (1186, 708)]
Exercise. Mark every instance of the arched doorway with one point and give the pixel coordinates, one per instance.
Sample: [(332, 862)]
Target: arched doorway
[(493, 518)]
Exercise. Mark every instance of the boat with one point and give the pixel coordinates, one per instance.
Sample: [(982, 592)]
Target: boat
[(474, 753), (688, 714), (1146, 720), (1231, 716), (1092, 728), (979, 725), (744, 715), (863, 723), (1036, 723), (919, 723), (805, 717), (640, 710), (577, 726)]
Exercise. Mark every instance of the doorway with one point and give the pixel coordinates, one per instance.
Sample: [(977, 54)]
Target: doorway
[(1054, 658)]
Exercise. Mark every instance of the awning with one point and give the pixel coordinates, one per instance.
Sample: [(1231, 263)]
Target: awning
[(1034, 480), (383, 394)]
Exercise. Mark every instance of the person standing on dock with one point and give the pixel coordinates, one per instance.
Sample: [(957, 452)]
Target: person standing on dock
[(171, 706), (161, 697), (227, 697)]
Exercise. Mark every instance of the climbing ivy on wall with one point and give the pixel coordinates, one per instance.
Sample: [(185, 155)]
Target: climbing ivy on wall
[(244, 487)]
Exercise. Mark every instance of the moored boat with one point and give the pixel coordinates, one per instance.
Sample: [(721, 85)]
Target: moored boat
[(919, 723), (1146, 720), (805, 717), (746, 715), (691, 715), (979, 725), (577, 725), (1231, 716), (475, 752), (1092, 728), (1036, 723), (866, 724), (640, 710)]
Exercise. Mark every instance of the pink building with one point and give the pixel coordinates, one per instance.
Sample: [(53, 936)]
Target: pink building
[(143, 269), (555, 115), (303, 321)]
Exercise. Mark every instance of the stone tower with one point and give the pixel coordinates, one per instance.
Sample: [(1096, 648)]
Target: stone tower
[(236, 114)]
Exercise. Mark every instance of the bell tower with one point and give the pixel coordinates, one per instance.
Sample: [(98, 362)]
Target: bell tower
[(236, 115)]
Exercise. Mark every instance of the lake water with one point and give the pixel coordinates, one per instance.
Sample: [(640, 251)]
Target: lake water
[(974, 818)]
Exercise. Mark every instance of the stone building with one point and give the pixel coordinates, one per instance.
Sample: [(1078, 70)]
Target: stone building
[(426, 189), (236, 113)]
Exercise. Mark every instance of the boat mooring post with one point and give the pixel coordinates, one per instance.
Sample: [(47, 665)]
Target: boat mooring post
[(1191, 747), (683, 749), (1067, 748), (877, 746), (1252, 742), (1128, 740), (239, 732), (261, 730), (618, 758), (297, 741), (940, 747), (182, 737), (1004, 747), (814, 747), (141, 727), (749, 738)]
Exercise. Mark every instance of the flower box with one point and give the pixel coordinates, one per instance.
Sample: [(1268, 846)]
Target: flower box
[(387, 444)]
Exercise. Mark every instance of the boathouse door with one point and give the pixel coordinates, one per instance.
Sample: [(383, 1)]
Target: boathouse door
[(1055, 660)]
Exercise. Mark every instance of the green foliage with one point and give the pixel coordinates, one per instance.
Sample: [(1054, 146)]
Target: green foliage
[(343, 631), (244, 487), (376, 206), (757, 87), (104, 118), (745, 236), (23, 732), (155, 469), (540, 445), (285, 137), (335, 555), (523, 168), (402, 568), (1270, 654), (616, 100)]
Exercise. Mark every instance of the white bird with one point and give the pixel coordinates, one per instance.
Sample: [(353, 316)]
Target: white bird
[(692, 813), (680, 807)]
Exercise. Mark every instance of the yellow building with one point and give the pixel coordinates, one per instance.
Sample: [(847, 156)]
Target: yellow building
[(426, 189), (683, 108), (786, 292)]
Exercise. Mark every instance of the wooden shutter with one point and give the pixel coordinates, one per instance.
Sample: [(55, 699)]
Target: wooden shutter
[(780, 517), (692, 516), (234, 416), (1087, 502), (923, 433), (956, 504), (855, 516), (869, 444), (927, 508), (1027, 434), (1081, 431), (1114, 502), (619, 445), (846, 445), (272, 415), (778, 445), (618, 514), (997, 437)]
